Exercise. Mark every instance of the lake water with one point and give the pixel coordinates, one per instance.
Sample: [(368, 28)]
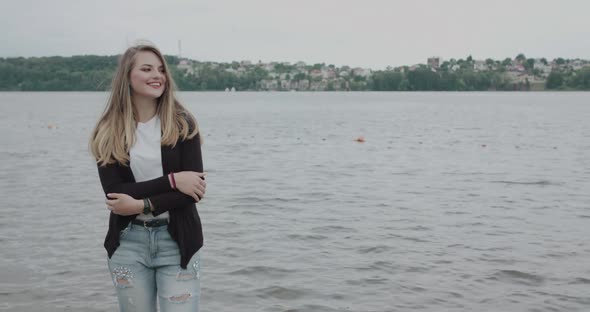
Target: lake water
[(455, 202)]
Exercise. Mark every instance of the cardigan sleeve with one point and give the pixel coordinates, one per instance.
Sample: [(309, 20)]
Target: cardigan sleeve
[(113, 182), (191, 160)]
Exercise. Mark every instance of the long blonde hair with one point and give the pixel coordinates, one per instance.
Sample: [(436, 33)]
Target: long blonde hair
[(114, 134)]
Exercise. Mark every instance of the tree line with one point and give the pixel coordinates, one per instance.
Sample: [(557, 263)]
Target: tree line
[(94, 73)]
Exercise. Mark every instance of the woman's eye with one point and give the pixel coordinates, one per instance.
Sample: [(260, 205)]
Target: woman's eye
[(146, 69)]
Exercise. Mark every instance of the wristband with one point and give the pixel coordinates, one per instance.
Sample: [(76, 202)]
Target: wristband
[(173, 180)]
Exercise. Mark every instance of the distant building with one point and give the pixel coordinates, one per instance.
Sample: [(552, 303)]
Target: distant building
[(241, 71), (577, 64), (328, 74), (285, 85), (294, 85), (337, 84), (434, 62), (480, 66), (319, 85), (269, 84), (516, 68), (303, 85), (186, 65), (363, 72), (268, 67), (315, 73), (544, 68), (400, 69)]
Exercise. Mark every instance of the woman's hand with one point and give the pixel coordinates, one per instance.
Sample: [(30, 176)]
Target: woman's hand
[(123, 204), (191, 183)]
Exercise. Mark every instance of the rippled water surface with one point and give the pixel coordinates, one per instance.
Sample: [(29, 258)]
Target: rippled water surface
[(455, 202)]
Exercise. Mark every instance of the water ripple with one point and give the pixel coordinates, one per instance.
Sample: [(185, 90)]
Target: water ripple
[(518, 277), (299, 217)]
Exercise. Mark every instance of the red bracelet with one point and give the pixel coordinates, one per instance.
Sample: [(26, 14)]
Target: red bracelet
[(173, 181)]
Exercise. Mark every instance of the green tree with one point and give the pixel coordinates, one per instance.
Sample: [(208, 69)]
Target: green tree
[(529, 64), (423, 79), (554, 81), (385, 81), (318, 66), (404, 85), (300, 76), (581, 79), (330, 86)]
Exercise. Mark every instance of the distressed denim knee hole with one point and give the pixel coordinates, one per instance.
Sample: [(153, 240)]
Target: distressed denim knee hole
[(122, 277), (180, 298), (191, 272)]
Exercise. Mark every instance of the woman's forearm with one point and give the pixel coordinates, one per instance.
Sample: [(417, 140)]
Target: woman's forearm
[(191, 160), (112, 182)]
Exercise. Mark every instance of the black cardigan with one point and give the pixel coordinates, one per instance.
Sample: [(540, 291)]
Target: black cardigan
[(185, 224)]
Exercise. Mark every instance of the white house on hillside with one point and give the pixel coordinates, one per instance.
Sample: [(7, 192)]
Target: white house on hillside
[(544, 68), (186, 66), (480, 65), (363, 72)]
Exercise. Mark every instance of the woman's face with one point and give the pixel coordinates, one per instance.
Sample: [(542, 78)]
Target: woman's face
[(147, 76)]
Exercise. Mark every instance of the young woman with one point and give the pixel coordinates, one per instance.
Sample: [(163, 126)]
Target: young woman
[(148, 152)]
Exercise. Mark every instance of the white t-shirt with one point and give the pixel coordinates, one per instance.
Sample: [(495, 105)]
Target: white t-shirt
[(146, 156)]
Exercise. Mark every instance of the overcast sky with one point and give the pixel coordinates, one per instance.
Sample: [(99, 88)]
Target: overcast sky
[(367, 33)]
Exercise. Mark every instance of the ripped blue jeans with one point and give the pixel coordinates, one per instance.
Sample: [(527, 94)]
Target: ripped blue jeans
[(146, 267)]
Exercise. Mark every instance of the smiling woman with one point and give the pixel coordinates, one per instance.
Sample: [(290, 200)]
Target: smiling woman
[(148, 151), (148, 77)]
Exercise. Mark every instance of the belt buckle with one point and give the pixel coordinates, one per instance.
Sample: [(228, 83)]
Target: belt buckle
[(145, 224)]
